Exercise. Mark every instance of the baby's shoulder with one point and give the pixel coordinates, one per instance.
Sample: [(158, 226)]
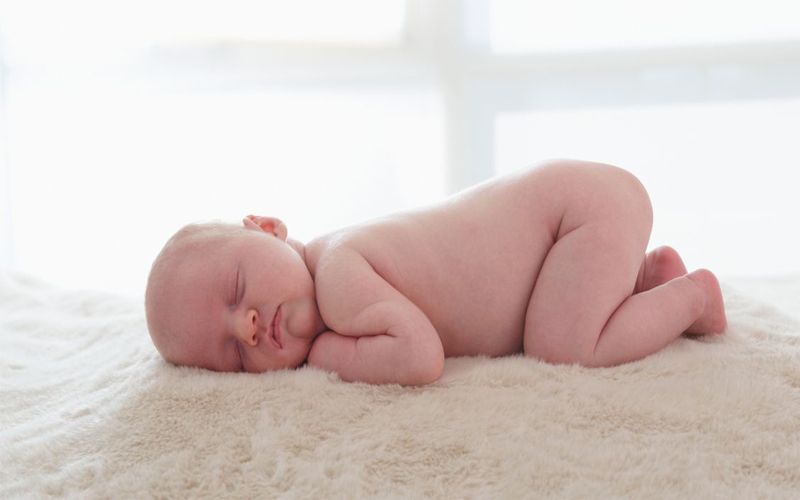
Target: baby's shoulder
[(323, 251), (370, 242), (335, 255), (346, 283)]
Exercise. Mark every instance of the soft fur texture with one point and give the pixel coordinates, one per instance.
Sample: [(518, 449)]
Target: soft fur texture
[(89, 409)]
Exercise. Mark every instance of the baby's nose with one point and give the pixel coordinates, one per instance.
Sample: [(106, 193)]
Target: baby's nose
[(252, 319), (251, 327)]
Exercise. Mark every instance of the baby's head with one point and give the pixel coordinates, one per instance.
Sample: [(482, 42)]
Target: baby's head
[(216, 290)]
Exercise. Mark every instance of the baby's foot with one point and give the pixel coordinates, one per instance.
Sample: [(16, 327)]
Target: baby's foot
[(660, 265), (713, 318)]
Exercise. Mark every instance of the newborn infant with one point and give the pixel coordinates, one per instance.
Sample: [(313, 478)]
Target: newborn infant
[(549, 261)]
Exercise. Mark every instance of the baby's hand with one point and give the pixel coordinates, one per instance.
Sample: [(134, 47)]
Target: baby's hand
[(376, 359)]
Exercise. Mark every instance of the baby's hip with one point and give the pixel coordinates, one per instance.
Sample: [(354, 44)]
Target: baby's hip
[(566, 194)]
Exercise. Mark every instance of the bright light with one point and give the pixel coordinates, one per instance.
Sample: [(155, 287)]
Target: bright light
[(578, 25), (59, 31), (103, 176)]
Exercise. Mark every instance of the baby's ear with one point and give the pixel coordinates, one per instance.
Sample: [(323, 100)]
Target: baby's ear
[(271, 225)]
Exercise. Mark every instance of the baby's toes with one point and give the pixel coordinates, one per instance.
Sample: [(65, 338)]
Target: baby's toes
[(670, 263), (713, 319)]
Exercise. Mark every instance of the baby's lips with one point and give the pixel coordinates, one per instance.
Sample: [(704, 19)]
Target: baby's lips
[(275, 327)]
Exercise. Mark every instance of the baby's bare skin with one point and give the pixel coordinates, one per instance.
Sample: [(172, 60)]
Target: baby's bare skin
[(549, 261), (470, 265)]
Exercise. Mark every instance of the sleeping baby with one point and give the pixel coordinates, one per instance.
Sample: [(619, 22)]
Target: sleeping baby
[(549, 262)]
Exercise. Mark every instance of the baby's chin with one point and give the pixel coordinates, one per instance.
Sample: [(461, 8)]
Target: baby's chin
[(302, 359), (294, 356)]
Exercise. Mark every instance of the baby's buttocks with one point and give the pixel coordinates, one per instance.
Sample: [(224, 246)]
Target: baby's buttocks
[(470, 263)]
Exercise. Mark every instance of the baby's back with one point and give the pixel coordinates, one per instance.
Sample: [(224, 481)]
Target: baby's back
[(469, 263)]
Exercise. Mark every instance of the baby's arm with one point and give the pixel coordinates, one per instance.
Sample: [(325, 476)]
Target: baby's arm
[(382, 336)]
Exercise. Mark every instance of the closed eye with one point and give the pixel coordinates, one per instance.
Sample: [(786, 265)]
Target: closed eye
[(235, 295)]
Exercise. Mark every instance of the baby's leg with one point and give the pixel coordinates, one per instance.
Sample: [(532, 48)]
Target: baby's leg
[(582, 308), (660, 265), (664, 264)]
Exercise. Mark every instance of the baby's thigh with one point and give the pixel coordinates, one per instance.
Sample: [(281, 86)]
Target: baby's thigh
[(602, 233)]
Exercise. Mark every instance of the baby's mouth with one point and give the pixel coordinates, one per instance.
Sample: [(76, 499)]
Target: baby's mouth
[(276, 328)]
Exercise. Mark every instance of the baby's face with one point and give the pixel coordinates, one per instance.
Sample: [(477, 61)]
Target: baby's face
[(244, 303)]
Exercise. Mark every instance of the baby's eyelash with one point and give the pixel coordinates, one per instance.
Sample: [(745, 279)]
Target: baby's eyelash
[(235, 299)]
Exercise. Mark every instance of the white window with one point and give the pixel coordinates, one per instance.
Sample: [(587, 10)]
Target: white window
[(586, 25), (122, 120), (700, 99)]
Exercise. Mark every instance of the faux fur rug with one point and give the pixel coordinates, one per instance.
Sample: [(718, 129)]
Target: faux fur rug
[(88, 409)]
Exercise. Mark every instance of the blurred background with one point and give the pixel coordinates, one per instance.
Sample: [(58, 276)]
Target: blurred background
[(120, 121)]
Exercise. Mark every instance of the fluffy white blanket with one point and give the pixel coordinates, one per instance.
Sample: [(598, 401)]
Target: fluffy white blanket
[(87, 408)]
